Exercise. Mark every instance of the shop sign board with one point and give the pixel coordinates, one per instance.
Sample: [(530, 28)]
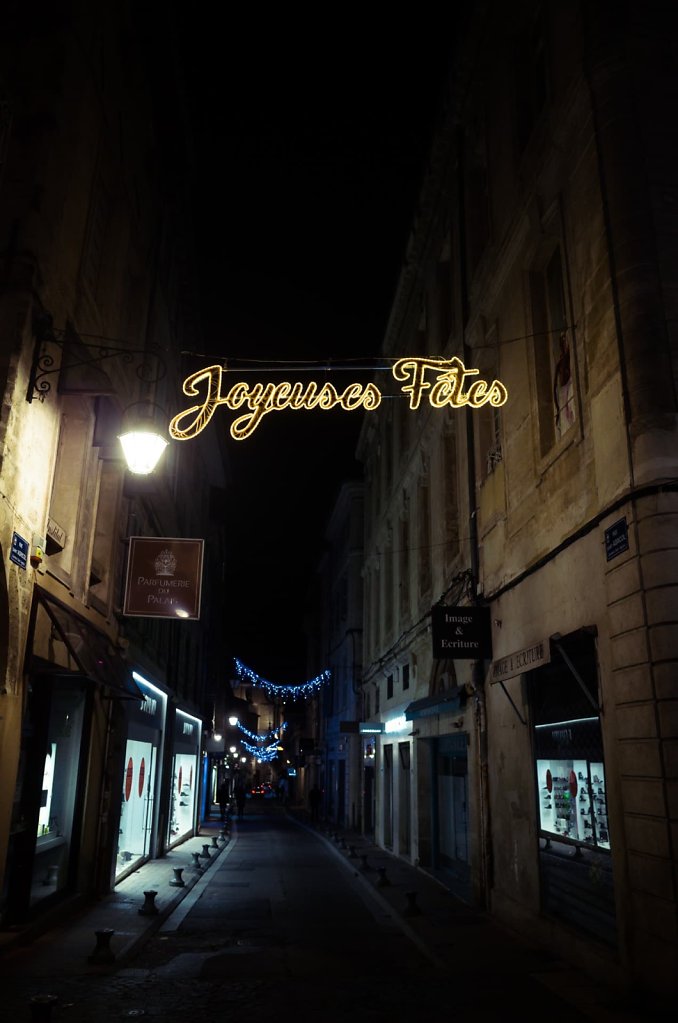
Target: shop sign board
[(461, 632), (164, 578), (526, 659)]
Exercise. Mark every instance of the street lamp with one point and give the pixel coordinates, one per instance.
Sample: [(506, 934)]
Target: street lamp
[(142, 439)]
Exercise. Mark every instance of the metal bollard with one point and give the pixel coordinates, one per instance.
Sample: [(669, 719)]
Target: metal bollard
[(103, 953), (382, 880), (178, 881), (215, 844), (222, 836), (412, 909), (149, 907), (205, 854), (41, 1007), (196, 860)]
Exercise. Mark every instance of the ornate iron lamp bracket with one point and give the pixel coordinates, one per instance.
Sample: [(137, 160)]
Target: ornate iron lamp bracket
[(149, 368)]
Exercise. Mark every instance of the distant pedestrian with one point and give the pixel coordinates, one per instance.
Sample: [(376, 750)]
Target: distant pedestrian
[(223, 799), (314, 798), (282, 791), (239, 795)]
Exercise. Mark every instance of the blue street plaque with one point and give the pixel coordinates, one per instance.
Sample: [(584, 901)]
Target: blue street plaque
[(616, 539), (19, 551)]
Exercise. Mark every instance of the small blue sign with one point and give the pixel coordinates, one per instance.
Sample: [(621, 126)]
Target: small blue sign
[(616, 539), (19, 551)]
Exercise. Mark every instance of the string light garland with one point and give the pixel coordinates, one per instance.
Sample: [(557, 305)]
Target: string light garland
[(306, 689), (263, 753), (273, 734)]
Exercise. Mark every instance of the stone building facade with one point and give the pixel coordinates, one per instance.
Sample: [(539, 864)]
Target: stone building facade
[(539, 778), (101, 714)]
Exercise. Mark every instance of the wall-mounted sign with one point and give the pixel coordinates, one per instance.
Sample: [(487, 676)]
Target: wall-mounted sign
[(19, 551), (461, 632), (164, 578), (616, 539), (440, 382), (527, 659)]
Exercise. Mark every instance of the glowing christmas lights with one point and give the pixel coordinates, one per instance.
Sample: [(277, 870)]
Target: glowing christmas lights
[(273, 733), (250, 677), (447, 388)]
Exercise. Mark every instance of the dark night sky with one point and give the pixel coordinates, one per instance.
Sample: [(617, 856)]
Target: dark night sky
[(310, 144)]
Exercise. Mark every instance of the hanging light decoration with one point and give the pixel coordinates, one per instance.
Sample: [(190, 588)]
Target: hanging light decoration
[(306, 689), (275, 733)]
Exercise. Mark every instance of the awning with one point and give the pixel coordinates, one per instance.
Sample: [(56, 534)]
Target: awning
[(441, 703), (90, 649)]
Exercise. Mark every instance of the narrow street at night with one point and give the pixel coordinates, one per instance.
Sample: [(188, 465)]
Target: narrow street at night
[(287, 922)]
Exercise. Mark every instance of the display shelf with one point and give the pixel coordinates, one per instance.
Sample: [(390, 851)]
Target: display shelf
[(572, 801)]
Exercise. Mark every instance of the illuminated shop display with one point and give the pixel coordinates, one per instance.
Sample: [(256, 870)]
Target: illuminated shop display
[(184, 790), (146, 721), (441, 382), (58, 796), (572, 795), (572, 800)]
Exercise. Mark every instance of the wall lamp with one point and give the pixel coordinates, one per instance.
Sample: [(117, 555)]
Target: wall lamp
[(142, 437)]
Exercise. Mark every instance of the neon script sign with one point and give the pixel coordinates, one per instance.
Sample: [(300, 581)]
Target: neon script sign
[(441, 382)]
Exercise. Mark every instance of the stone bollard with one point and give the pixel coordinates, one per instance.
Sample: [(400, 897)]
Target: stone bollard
[(412, 909), (205, 854), (103, 953), (364, 864), (352, 854), (42, 1006), (215, 844), (382, 880), (149, 907), (222, 836), (178, 881), (196, 860)]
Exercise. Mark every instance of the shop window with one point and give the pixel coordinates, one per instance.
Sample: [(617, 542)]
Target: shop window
[(575, 861), (553, 357)]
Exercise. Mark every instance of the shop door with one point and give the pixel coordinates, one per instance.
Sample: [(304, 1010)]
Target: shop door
[(388, 797), (341, 794), (368, 801), (450, 838), (404, 825)]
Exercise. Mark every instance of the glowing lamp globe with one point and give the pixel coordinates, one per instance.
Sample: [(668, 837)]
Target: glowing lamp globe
[(142, 439)]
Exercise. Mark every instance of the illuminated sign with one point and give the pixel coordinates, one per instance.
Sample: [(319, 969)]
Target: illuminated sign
[(397, 724), (441, 382)]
